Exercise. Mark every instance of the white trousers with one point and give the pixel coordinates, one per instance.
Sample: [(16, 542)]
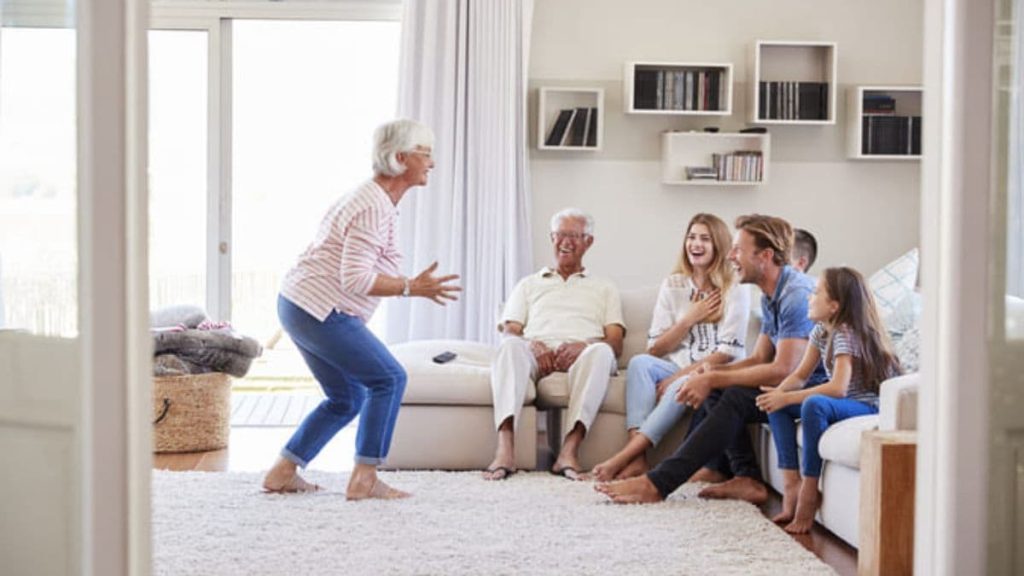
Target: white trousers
[(515, 369)]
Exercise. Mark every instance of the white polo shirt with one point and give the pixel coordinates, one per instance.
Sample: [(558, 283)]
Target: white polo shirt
[(555, 311)]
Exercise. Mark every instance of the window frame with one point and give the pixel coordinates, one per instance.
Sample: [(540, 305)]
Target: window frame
[(216, 19)]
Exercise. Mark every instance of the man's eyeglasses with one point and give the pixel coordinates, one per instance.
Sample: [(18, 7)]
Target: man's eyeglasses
[(428, 154), (559, 236)]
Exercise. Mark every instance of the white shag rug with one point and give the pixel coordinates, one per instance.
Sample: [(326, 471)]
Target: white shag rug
[(456, 523)]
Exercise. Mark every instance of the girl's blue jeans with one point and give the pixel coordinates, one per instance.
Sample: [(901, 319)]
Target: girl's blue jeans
[(817, 413), (359, 377)]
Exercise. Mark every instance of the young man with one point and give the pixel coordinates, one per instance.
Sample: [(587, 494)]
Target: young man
[(761, 254), (805, 250), (561, 319)]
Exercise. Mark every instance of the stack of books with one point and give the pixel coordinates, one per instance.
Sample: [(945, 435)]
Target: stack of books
[(574, 127), (701, 173)]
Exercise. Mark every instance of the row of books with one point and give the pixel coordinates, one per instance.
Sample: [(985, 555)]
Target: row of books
[(891, 135), (574, 127), (793, 100), (679, 89), (738, 166)]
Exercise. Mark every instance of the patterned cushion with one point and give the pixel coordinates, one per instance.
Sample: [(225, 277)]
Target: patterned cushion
[(894, 282)]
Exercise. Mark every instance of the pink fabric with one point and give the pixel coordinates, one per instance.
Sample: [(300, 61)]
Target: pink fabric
[(356, 242)]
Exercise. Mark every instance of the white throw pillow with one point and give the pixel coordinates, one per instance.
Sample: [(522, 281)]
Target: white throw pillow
[(894, 282)]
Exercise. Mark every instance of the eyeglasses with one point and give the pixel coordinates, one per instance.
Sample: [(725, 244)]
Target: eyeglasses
[(428, 154), (559, 236)]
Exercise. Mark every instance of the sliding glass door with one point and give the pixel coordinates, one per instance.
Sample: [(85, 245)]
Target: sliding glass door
[(178, 112), (306, 99)]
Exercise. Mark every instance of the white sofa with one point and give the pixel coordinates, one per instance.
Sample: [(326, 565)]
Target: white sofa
[(446, 419)]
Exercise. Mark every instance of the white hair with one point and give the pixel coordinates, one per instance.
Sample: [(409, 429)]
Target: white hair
[(394, 137), (573, 214)]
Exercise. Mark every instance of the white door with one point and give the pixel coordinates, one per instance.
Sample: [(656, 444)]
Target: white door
[(73, 347)]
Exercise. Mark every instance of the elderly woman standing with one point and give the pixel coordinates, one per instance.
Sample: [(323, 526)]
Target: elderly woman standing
[(328, 297)]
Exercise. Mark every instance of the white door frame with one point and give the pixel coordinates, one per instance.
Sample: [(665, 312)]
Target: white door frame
[(116, 443), (953, 436)]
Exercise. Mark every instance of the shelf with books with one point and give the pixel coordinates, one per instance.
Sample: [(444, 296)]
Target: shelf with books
[(570, 118), (714, 159), (793, 82), (883, 122), (678, 88)]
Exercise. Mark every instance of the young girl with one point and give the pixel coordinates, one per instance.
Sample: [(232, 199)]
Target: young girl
[(700, 316), (851, 341)]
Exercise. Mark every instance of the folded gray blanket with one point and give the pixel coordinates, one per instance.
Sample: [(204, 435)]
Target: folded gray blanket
[(199, 351)]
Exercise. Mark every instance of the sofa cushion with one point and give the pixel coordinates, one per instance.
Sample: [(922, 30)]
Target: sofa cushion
[(637, 309), (841, 442), (894, 282), (553, 392), (466, 380)]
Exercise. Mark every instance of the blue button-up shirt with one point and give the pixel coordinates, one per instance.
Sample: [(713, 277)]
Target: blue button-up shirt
[(785, 313)]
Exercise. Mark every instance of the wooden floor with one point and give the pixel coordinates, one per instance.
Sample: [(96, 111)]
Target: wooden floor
[(253, 449)]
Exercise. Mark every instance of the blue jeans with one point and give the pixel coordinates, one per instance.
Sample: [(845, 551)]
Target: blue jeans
[(817, 413), (358, 376), (652, 420)]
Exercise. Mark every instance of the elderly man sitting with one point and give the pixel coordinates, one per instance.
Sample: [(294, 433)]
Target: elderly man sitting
[(561, 319)]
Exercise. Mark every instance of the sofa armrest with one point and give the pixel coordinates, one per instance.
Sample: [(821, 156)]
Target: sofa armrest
[(897, 406)]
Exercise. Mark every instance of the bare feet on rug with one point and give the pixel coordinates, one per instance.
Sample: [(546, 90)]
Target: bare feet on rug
[(708, 475), (283, 478), (637, 490), (637, 467), (806, 507), (365, 484), (739, 488), (607, 470), (790, 493)]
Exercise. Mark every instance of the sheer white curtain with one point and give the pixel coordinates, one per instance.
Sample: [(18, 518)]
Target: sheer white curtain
[(1015, 200), (463, 73)]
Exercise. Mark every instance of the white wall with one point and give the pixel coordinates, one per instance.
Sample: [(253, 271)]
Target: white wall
[(864, 213)]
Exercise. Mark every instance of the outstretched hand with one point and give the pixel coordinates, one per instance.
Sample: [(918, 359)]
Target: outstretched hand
[(436, 288)]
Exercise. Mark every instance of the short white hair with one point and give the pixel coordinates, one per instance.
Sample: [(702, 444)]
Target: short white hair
[(394, 137), (573, 214)]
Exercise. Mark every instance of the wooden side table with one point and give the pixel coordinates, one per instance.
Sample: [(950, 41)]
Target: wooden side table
[(887, 466)]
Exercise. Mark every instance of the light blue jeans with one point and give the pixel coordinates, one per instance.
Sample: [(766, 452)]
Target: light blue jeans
[(358, 376), (651, 417), (816, 413)]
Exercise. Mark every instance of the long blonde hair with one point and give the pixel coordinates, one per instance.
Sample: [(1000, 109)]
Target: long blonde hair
[(719, 272), (856, 310)]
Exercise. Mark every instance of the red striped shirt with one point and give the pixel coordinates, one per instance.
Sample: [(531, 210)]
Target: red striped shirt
[(355, 242)]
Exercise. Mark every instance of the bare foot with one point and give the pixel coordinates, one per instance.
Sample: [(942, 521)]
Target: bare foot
[(790, 493), (806, 507), (606, 471), (709, 475), (739, 488), (377, 490), (635, 468), (637, 490), (283, 478)]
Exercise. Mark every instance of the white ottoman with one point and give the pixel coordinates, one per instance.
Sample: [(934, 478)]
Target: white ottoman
[(447, 416)]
